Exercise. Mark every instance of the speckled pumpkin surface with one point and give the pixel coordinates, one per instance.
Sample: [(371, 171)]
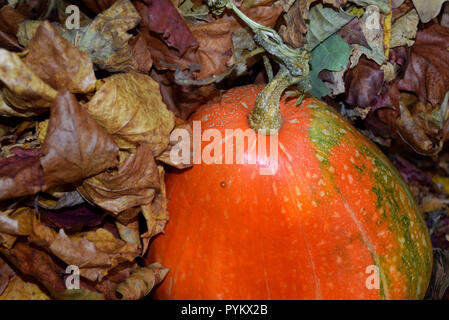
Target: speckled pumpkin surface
[(335, 208)]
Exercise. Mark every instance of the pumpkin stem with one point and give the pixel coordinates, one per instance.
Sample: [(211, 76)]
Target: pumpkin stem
[(294, 69)]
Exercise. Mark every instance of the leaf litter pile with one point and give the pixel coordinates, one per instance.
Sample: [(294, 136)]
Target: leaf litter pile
[(86, 115)]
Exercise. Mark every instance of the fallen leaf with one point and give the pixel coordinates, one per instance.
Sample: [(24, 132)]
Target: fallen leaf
[(427, 72), (105, 39), (75, 146), (162, 18), (428, 9), (22, 290), (332, 54), (440, 278), (324, 22), (35, 263), (363, 83), (129, 106), (142, 281), (404, 30), (215, 51), (21, 174), (6, 274), (57, 62), (133, 184), (24, 92), (9, 18)]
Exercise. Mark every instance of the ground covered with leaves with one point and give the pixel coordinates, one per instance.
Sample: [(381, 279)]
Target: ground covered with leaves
[(86, 115)]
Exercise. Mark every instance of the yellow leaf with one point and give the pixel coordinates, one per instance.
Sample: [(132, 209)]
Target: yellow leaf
[(130, 107), (21, 290)]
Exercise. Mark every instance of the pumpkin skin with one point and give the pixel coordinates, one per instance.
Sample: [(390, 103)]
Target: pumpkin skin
[(335, 208)]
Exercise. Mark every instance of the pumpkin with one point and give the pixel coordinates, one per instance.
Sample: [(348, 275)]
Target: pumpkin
[(335, 221)]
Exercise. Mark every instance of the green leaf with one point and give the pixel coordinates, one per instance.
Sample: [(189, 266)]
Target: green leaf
[(324, 22), (332, 54)]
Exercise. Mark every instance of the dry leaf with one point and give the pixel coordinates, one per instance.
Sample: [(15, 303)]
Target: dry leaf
[(129, 106), (133, 184), (22, 290), (404, 30), (75, 146), (105, 39), (156, 213), (24, 92), (428, 9), (56, 61), (142, 281), (9, 18), (6, 273), (427, 73), (21, 174), (363, 83), (215, 52)]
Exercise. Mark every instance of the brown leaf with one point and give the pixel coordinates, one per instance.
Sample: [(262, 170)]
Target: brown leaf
[(35, 263), (129, 106), (133, 184), (215, 52), (104, 39), (142, 281), (6, 273), (427, 73), (140, 49), (162, 18), (9, 18), (56, 61), (363, 83), (156, 213), (21, 174), (182, 99), (163, 55), (75, 146)]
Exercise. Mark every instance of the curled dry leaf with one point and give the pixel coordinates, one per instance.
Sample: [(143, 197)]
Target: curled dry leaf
[(24, 92), (83, 215), (21, 174), (427, 72), (35, 263), (56, 61), (215, 52), (9, 18), (6, 273), (140, 49), (297, 17), (105, 39), (176, 51), (133, 184), (162, 18), (156, 214), (183, 99), (142, 281), (19, 289), (75, 146), (404, 30), (129, 106), (363, 83)]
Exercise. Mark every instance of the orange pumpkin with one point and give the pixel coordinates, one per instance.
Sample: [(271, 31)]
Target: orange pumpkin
[(336, 220)]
